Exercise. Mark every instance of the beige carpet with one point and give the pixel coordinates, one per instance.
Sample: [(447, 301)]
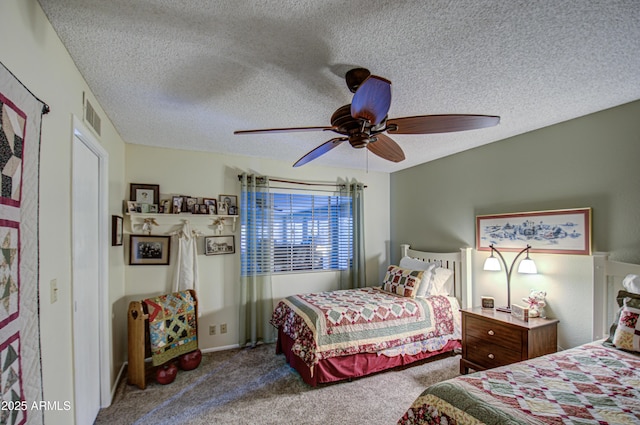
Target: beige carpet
[(256, 386)]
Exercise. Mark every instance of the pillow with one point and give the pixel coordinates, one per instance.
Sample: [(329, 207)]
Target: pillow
[(401, 281), (627, 334), (441, 282), (632, 283), (614, 326), (415, 264)]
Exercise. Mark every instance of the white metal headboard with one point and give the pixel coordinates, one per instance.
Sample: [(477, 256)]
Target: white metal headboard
[(459, 262), (608, 277)]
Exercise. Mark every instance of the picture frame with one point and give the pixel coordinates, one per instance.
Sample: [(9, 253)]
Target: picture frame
[(566, 231), (520, 312), (212, 205), (228, 203), (190, 203), (216, 245), (145, 250), (176, 204), (165, 206), (131, 207), (144, 193), (116, 230)]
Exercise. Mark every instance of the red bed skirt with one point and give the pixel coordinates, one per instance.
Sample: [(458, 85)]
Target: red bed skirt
[(353, 366)]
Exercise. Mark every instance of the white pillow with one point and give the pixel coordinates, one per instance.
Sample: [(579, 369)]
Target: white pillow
[(415, 264), (441, 282), (632, 283)]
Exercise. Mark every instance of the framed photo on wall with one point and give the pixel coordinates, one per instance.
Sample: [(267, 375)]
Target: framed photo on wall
[(149, 250), (215, 245), (144, 193), (116, 230), (553, 232)]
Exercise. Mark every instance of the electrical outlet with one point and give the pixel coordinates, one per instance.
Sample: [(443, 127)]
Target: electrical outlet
[(54, 290), (223, 328), (212, 329)]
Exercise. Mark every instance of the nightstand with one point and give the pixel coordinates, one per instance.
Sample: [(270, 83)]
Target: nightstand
[(492, 338)]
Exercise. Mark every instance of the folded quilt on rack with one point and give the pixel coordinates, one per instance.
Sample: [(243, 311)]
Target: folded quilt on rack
[(172, 326)]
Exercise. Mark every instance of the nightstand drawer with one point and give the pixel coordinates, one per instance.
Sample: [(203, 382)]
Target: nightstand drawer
[(493, 333), (486, 354)]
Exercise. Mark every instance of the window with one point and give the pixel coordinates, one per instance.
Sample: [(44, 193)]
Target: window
[(303, 232)]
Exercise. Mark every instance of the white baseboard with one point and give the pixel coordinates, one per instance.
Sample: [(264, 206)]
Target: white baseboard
[(114, 387), (223, 348)]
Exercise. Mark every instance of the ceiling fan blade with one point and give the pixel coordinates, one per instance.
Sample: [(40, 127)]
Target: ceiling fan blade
[(385, 147), (372, 100), (320, 150), (428, 124), (283, 130)]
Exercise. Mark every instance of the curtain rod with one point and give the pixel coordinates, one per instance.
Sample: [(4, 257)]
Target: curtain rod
[(302, 182)]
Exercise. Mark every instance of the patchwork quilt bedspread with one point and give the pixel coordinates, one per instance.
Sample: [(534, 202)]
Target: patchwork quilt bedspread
[(589, 384), (364, 320)]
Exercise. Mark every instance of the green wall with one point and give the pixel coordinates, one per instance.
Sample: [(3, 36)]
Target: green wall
[(592, 161)]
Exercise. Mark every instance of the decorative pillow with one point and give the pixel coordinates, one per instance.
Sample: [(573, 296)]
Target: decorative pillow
[(632, 283), (401, 281), (415, 264), (441, 282), (627, 335), (614, 326)]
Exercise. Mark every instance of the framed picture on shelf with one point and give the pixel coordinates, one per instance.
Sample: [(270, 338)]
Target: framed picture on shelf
[(144, 193), (212, 205), (227, 203), (191, 202), (215, 245), (554, 232), (149, 250), (165, 206), (116, 230), (176, 204), (131, 207)]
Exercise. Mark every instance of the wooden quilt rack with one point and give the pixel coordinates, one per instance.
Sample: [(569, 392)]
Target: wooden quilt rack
[(139, 346)]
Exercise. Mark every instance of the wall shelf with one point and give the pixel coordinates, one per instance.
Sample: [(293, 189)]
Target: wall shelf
[(137, 220)]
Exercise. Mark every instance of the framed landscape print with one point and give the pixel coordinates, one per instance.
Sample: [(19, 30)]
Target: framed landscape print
[(555, 232), (149, 250), (214, 245)]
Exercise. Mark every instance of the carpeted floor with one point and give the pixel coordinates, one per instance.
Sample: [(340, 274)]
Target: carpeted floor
[(256, 386)]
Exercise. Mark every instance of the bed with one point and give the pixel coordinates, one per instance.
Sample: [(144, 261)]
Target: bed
[(594, 383), (344, 334)]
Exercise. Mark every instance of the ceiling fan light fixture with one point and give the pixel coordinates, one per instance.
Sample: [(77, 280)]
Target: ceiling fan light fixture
[(364, 121), (359, 140)]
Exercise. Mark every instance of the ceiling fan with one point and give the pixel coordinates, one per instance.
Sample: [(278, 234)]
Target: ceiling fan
[(363, 121)]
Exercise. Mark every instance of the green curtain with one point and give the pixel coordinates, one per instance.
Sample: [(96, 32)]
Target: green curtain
[(355, 276), (256, 299)]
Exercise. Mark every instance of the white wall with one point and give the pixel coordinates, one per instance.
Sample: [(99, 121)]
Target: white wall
[(31, 50), (567, 279), (200, 175)]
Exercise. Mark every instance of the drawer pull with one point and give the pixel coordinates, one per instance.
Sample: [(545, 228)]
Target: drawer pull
[(491, 332), (491, 356)]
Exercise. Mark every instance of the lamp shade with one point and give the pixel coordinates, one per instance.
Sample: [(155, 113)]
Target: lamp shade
[(527, 266), (492, 264)]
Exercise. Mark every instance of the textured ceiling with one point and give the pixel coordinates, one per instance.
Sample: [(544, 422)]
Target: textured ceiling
[(186, 74)]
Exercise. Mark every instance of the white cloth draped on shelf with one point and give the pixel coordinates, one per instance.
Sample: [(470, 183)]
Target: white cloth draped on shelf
[(186, 270)]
